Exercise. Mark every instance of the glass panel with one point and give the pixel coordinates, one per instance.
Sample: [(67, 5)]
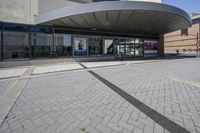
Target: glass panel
[(108, 46), (138, 50), (95, 45), (15, 45), (130, 49), (150, 47), (63, 45), (119, 47), (0, 44), (139, 42), (42, 45), (80, 46)]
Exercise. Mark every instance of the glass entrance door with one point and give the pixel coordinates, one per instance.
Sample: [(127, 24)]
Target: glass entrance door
[(139, 50), (139, 47), (119, 47), (133, 47), (130, 48)]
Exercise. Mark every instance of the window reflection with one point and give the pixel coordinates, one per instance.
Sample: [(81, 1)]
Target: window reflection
[(42, 45), (63, 45), (15, 45), (95, 45), (19, 45)]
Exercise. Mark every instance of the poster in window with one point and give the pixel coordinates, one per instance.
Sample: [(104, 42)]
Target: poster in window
[(150, 46), (80, 45), (108, 46)]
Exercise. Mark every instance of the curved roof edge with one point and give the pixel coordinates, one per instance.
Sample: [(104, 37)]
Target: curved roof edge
[(110, 6)]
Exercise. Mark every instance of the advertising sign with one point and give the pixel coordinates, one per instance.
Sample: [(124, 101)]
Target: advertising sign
[(150, 47), (80, 46)]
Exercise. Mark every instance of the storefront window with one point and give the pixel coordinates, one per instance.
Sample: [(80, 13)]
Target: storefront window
[(95, 45), (15, 45), (63, 45), (0, 47), (108, 46), (42, 45), (80, 46), (139, 41), (130, 48), (139, 47), (119, 47), (150, 47)]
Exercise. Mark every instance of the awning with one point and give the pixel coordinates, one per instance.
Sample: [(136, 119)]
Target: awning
[(129, 17)]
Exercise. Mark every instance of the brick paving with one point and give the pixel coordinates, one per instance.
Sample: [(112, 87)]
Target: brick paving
[(5, 85), (75, 101), (177, 101), (65, 103)]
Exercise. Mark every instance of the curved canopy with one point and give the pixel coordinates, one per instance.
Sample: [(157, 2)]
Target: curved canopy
[(119, 16)]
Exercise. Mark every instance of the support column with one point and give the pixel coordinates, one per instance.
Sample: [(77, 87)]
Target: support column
[(30, 44), (197, 42), (1, 47), (72, 41), (53, 53), (161, 50)]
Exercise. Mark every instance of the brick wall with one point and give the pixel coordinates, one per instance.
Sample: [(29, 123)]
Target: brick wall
[(175, 41)]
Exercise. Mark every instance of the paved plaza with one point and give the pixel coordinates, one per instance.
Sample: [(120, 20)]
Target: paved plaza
[(155, 96)]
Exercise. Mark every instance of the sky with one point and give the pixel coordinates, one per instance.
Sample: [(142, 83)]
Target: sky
[(190, 6)]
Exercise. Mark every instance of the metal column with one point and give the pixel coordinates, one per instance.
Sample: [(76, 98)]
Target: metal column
[(1, 47)]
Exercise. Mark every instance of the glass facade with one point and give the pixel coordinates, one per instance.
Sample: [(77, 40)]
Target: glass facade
[(139, 47), (15, 45), (95, 45), (108, 46), (80, 46), (42, 45), (1, 44), (30, 42), (150, 47), (63, 43), (129, 47)]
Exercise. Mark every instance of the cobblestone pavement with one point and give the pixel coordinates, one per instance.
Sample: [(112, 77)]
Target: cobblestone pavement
[(75, 101)]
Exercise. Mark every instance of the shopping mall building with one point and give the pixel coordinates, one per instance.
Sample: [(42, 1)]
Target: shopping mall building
[(32, 29)]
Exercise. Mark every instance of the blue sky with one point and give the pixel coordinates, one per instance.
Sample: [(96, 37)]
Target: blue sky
[(190, 6)]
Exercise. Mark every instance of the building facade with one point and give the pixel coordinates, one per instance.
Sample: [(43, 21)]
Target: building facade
[(105, 28), (184, 40)]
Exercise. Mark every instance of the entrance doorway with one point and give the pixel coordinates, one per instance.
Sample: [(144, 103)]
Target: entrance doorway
[(129, 47)]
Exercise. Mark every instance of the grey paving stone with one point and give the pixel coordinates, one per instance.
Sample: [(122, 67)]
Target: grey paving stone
[(5, 85), (154, 84), (75, 101), (65, 103)]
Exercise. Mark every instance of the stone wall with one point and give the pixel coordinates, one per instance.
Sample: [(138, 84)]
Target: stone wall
[(18, 11)]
